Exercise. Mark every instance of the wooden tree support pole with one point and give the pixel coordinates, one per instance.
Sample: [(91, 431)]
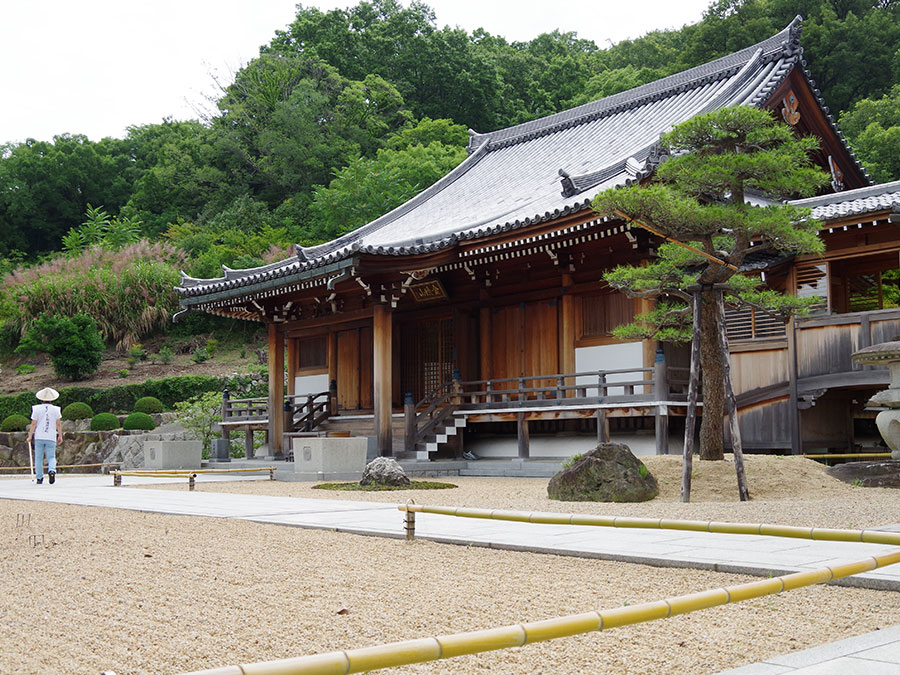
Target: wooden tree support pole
[(690, 421), (730, 404)]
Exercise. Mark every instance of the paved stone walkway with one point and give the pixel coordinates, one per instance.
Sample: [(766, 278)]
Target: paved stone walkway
[(873, 654)]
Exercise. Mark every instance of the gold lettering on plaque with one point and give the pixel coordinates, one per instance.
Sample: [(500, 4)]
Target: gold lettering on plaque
[(428, 290)]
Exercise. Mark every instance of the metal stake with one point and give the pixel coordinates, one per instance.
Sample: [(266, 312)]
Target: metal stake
[(410, 522)]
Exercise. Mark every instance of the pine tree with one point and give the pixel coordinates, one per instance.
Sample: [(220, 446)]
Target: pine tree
[(696, 200)]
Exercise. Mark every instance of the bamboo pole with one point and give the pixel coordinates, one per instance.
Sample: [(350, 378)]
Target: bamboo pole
[(690, 421), (731, 405), (517, 635)]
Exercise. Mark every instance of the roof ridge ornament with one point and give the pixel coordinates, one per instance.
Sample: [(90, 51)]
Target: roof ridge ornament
[(568, 185)]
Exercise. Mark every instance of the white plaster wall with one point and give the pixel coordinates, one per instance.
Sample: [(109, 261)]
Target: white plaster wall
[(641, 444), (311, 384), (609, 357)]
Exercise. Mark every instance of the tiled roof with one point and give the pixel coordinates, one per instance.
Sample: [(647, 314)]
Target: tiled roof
[(540, 170), (871, 199)]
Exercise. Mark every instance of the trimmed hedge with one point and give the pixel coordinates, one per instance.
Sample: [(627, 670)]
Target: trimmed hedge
[(104, 422), (15, 423), (149, 405), (139, 420), (169, 391), (77, 411)]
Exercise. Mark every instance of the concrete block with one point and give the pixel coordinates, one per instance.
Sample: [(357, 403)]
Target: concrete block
[(172, 454), (334, 458)]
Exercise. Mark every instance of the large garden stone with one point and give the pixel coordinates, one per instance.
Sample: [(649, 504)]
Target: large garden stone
[(608, 473), (868, 474), (384, 471)]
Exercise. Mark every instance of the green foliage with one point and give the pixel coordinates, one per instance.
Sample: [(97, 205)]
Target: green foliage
[(139, 421), (368, 188), (149, 405), (101, 230), (74, 344), (198, 415), (571, 461), (136, 353), (129, 293), (123, 373), (104, 422), (200, 355), (873, 127), (77, 411), (165, 354), (15, 423), (24, 369)]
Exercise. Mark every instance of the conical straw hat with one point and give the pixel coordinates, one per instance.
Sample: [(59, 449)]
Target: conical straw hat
[(47, 394)]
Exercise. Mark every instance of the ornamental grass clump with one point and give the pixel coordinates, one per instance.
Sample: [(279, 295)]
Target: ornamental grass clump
[(128, 292), (139, 421), (77, 411), (15, 423), (104, 422)]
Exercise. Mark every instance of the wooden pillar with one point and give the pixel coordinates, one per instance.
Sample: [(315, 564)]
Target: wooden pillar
[(793, 393), (486, 340), (292, 360), (276, 393), (381, 364), (331, 347), (602, 426), (524, 439), (567, 333)]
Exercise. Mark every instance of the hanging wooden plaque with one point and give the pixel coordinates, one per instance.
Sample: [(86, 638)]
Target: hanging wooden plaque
[(428, 291)]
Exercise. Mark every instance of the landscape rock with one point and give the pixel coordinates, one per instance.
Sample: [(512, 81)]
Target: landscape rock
[(384, 471), (608, 473), (868, 474)]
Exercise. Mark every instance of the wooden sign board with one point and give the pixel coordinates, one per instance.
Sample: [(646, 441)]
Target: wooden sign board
[(428, 291)]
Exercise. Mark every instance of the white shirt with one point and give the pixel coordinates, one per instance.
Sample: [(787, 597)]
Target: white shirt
[(45, 416)]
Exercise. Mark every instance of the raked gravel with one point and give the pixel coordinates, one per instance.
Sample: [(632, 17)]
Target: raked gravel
[(138, 592)]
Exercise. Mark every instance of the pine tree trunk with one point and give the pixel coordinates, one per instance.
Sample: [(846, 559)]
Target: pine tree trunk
[(712, 428)]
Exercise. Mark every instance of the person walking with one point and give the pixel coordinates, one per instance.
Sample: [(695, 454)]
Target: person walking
[(46, 430)]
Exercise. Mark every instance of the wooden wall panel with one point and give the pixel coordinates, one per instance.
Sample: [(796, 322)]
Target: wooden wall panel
[(752, 370), (366, 367), (826, 349), (541, 334), (766, 426), (507, 339)]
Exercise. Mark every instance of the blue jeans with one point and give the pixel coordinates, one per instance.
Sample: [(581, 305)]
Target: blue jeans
[(41, 447)]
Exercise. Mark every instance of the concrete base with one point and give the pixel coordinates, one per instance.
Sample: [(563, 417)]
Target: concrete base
[(325, 459), (172, 454)]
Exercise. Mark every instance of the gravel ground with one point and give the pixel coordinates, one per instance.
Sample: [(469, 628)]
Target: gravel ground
[(146, 593)]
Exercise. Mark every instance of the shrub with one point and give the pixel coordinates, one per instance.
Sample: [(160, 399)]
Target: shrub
[(199, 414), (104, 422), (149, 405), (136, 353), (200, 355), (77, 411), (123, 373), (165, 355), (15, 423), (74, 344), (139, 420), (212, 346), (25, 369)]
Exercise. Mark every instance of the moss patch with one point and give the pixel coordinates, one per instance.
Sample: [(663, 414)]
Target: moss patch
[(414, 485)]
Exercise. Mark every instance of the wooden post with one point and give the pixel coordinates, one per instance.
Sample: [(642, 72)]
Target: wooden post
[(522, 433), (793, 395), (690, 420), (730, 405), (567, 333), (661, 393), (409, 413), (248, 444), (484, 328), (381, 363), (602, 426), (276, 393), (226, 431), (292, 361)]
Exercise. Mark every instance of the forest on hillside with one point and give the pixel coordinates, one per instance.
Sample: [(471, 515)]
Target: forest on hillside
[(344, 115)]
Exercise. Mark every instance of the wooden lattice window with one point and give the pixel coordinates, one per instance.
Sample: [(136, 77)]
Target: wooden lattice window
[(312, 353), (747, 323), (812, 282)]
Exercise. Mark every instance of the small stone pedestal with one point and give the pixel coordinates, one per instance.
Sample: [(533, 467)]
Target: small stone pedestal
[(329, 458), (887, 421)]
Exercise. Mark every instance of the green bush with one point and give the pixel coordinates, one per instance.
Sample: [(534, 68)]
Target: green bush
[(77, 411), (15, 423), (104, 422), (166, 355), (139, 420), (25, 369), (74, 344), (199, 415), (149, 405), (200, 355)]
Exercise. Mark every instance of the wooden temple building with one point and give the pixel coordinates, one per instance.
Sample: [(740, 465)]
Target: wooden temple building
[(479, 304)]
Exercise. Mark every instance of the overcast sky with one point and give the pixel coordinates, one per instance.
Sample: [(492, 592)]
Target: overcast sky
[(95, 67)]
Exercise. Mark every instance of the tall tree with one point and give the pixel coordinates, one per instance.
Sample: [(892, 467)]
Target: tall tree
[(697, 199), (873, 127)]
